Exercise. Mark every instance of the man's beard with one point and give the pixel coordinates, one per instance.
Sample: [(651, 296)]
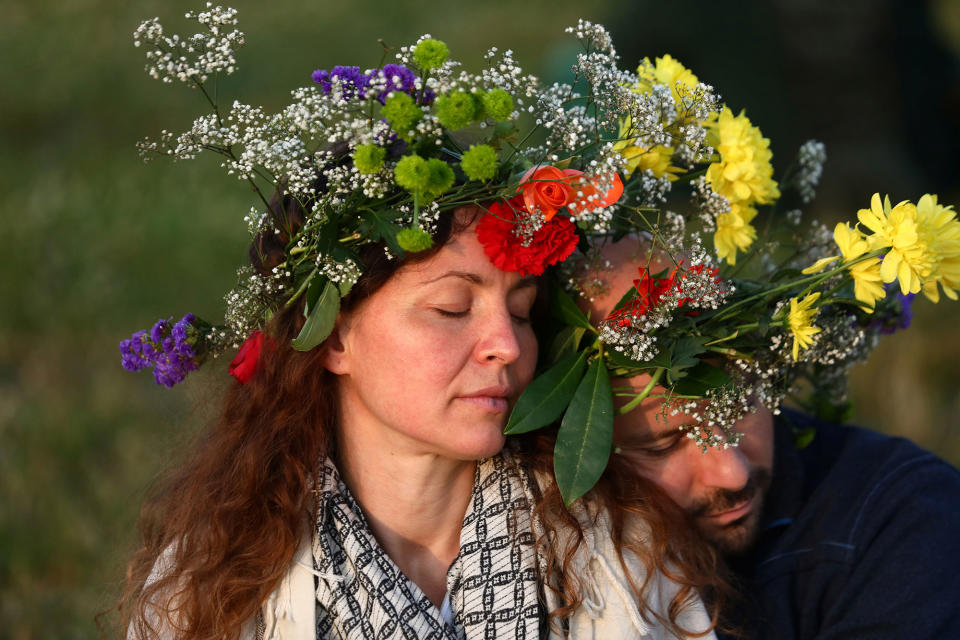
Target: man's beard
[(734, 537)]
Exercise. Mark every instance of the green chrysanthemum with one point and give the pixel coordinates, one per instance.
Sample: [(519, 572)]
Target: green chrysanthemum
[(414, 239), (430, 54), (413, 174), (368, 158), (402, 113), (441, 177), (456, 110), (498, 104), (480, 162)]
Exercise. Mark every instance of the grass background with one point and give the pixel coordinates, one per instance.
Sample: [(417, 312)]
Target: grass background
[(96, 244)]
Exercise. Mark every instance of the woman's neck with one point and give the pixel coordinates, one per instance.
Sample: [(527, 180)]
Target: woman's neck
[(414, 503)]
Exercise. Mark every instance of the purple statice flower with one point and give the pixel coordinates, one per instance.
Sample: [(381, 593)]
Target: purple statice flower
[(353, 82), (131, 352), (169, 350), (156, 333), (896, 314), (903, 320)]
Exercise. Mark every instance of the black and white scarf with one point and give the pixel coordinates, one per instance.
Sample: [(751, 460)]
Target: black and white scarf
[(492, 583)]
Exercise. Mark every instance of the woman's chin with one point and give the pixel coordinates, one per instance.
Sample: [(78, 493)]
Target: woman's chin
[(479, 446)]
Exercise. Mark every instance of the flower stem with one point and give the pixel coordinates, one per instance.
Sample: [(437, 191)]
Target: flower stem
[(640, 397)]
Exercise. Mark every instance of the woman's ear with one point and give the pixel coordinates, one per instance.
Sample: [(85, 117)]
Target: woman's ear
[(336, 352)]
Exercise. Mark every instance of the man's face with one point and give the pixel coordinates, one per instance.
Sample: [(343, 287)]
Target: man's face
[(722, 490)]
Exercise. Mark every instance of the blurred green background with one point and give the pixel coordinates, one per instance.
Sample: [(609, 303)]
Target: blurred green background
[(96, 244)]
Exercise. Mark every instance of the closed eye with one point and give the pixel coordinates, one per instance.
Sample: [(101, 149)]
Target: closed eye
[(446, 313), (662, 447)]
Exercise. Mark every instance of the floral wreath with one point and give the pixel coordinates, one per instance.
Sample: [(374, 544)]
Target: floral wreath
[(754, 306)]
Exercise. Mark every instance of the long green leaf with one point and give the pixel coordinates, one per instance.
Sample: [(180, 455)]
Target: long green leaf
[(565, 309), (545, 399), (585, 438), (566, 342), (320, 322)]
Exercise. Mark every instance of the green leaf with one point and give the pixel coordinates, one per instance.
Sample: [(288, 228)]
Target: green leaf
[(698, 379), (684, 354), (565, 309), (317, 286), (585, 438), (566, 343), (380, 225), (322, 316), (545, 398)]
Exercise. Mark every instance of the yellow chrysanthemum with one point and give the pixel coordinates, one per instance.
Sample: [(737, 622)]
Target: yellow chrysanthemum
[(667, 71), (939, 230), (744, 172), (867, 281), (734, 232), (909, 261), (800, 322)]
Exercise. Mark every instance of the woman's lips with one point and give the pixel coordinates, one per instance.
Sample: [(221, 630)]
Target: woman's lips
[(496, 404)]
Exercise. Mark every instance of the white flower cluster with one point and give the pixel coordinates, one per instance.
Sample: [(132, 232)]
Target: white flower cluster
[(713, 421), (342, 273), (246, 305), (636, 344), (669, 228), (810, 159), (506, 74), (653, 190), (192, 60), (690, 136), (707, 203)]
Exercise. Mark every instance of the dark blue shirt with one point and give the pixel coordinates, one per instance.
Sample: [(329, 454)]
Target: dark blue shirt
[(860, 538)]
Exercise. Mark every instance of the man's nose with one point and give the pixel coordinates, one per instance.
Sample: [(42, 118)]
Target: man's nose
[(719, 468)]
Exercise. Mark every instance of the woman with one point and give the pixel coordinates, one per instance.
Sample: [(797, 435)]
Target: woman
[(348, 476), (353, 486)]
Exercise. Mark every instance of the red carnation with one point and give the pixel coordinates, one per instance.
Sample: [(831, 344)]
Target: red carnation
[(551, 243), (245, 364)]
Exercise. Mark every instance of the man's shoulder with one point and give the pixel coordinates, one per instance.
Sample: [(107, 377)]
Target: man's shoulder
[(859, 540), (854, 477)]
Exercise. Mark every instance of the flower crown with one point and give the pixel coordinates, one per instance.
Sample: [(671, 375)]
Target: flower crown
[(753, 305), (370, 156)]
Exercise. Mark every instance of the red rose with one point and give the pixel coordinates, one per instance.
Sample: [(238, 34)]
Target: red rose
[(551, 243), (545, 189), (245, 364)]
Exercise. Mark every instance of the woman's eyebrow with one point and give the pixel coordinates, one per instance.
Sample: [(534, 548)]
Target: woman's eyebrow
[(465, 275), (474, 278)]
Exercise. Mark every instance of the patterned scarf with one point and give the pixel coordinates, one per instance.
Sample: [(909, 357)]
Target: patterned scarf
[(492, 583)]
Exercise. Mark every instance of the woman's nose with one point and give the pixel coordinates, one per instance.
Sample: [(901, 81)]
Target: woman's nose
[(498, 339)]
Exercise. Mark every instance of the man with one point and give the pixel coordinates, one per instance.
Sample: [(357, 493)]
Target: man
[(853, 536)]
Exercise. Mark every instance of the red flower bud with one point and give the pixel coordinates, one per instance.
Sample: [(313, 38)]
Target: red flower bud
[(245, 364)]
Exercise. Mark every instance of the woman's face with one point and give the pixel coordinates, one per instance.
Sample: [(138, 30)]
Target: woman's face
[(434, 360)]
